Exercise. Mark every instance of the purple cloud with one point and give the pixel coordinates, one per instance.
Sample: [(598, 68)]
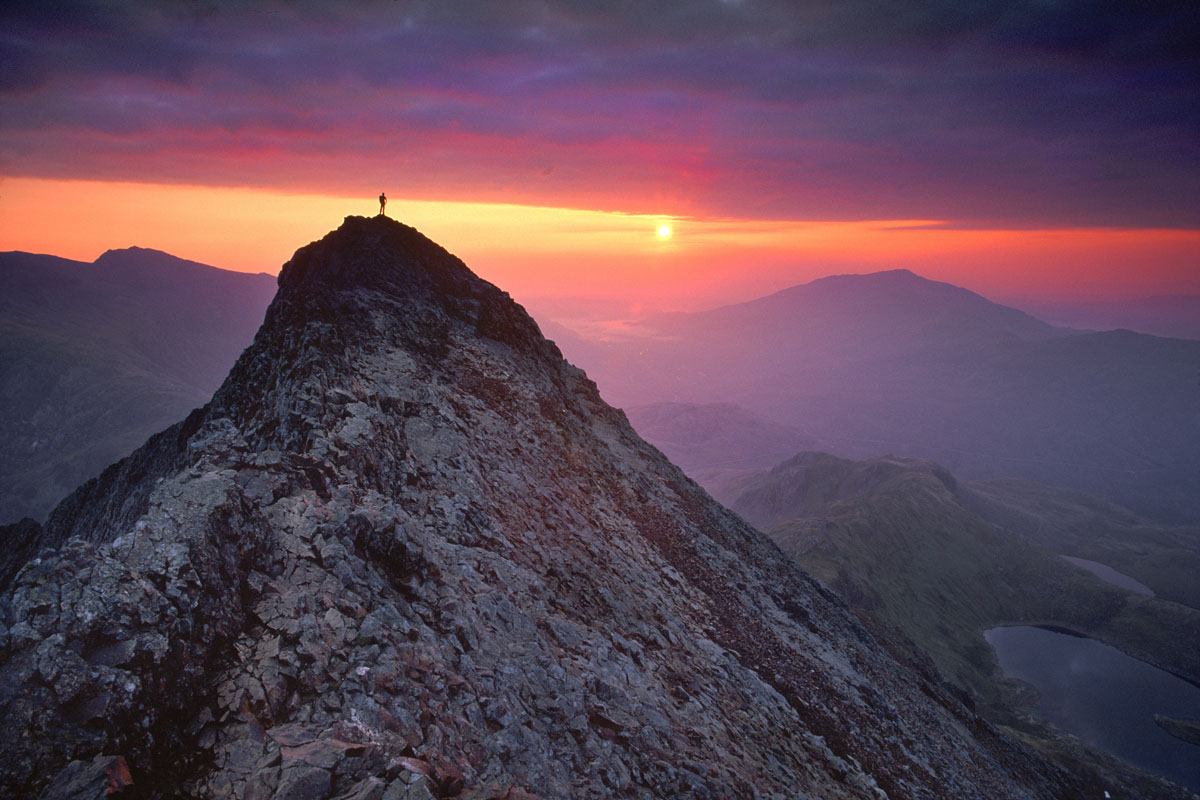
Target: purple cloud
[(1017, 113)]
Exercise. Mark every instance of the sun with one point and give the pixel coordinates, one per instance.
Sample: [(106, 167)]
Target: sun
[(664, 231)]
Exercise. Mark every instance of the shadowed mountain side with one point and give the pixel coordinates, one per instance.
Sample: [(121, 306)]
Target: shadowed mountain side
[(96, 357), (891, 362), (1165, 558), (407, 547), (892, 536)]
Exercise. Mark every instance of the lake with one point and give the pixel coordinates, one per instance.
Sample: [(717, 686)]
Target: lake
[(1104, 697), (1110, 575)]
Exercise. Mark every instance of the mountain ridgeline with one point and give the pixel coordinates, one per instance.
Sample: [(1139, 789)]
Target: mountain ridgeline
[(894, 363), (924, 558), (94, 358), (913, 548), (1176, 316), (408, 551)]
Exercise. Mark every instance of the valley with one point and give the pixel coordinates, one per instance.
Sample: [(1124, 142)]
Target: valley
[(932, 565)]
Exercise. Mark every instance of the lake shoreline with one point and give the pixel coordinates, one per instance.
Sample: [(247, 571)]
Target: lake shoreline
[(1104, 697)]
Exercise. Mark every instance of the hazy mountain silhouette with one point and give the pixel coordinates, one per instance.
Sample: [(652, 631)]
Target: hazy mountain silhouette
[(891, 362), (408, 551), (96, 357), (717, 445), (1176, 316)]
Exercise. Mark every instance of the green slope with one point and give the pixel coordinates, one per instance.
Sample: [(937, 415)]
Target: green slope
[(1165, 558), (928, 563), (894, 538)]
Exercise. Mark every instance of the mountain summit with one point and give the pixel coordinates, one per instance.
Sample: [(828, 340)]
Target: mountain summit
[(407, 552), (894, 363)]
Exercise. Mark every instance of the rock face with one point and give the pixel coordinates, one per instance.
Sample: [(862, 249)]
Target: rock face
[(407, 552)]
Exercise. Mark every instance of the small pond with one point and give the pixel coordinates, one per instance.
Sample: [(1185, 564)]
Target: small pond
[(1104, 697), (1110, 575)]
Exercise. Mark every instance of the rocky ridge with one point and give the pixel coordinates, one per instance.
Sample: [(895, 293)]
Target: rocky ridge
[(407, 552)]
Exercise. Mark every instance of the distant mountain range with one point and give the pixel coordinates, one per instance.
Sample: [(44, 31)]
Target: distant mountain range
[(719, 445), (96, 357), (894, 363), (1171, 315)]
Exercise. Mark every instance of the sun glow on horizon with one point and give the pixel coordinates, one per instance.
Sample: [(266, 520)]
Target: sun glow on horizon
[(538, 251)]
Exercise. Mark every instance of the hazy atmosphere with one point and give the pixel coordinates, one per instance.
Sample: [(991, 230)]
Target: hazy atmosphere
[(528, 400)]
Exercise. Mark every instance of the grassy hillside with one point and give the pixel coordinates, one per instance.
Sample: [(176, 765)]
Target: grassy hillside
[(894, 538), (1165, 558)]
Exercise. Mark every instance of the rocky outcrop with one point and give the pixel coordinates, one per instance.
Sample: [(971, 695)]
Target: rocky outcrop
[(18, 543), (407, 552)]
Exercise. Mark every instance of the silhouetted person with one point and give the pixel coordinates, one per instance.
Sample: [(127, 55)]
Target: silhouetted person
[(382, 202)]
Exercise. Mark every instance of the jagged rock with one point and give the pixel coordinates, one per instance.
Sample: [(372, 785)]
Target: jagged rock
[(103, 776), (407, 552), (18, 543)]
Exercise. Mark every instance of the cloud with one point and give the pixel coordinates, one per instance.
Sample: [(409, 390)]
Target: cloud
[(967, 110)]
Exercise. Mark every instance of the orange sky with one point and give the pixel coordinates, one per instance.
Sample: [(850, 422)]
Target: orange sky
[(539, 252), (1036, 151)]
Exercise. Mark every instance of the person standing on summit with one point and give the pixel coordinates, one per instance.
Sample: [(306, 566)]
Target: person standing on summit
[(382, 203)]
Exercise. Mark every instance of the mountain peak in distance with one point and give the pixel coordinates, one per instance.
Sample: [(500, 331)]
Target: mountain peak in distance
[(143, 265)]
